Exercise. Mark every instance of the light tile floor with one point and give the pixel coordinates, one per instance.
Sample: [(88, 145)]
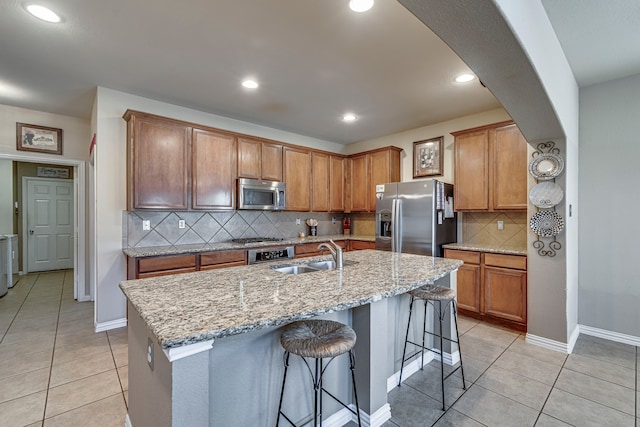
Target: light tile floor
[(55, 371)]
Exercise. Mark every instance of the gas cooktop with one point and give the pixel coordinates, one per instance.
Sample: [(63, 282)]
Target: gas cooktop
[(256, 239)]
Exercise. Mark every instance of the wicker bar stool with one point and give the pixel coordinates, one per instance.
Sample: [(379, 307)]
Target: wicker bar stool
[(431, 294), (318, 339)]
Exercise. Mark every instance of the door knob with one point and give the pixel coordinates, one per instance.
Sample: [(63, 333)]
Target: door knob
[(30, 231)]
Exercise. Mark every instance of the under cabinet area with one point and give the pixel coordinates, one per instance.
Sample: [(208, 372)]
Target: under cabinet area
[(492, 287), (490, 168)]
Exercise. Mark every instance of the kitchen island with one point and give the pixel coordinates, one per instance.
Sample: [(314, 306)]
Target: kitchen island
[(204, 349)]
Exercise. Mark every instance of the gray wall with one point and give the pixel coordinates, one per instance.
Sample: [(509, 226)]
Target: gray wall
[(609, 290)]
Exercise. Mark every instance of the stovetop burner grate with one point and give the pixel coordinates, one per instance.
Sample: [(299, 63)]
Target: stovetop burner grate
[(256, 239)]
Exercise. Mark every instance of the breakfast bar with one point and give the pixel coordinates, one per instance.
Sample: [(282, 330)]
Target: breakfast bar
[(204, 347)]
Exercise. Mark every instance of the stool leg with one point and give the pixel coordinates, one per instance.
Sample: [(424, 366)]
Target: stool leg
[(317, 394), (284, 378), (424, 332), (406, 338), (440, 316), (455, 319), (352, 366)]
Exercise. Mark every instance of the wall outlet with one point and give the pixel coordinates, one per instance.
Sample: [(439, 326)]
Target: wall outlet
[(150, 352), (297, 221), (333, 220), (146, 225), (181, 224), (500, 225)]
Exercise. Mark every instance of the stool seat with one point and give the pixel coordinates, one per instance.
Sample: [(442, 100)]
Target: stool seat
[(317, 338), (433, 293)]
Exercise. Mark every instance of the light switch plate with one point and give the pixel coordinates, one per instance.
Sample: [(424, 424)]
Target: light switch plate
[(181, 224), (146, 225), (297, 221), (500, 225)]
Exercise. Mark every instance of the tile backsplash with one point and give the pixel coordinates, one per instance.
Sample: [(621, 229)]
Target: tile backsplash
[(206, 227), (482, 228)]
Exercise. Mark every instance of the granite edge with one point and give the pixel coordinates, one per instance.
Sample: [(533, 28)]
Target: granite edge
[(496, 249)]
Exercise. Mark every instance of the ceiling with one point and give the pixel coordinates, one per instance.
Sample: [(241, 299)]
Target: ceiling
[(314, 60)]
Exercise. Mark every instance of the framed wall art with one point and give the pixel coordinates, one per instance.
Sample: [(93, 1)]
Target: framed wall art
[(428, 157), (41, 139)]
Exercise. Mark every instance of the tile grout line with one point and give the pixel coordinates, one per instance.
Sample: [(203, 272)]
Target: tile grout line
[(19, 308), (53, 352), (551, 390)]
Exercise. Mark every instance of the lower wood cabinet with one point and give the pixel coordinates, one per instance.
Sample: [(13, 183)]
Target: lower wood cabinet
[(311, 249), (492, 287), (357, 245), (140, 268)]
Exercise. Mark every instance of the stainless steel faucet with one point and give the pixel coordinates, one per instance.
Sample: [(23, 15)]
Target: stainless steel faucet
[(335, 253)]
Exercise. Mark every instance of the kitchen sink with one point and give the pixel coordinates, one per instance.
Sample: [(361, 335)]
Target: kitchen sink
[(308, 267)]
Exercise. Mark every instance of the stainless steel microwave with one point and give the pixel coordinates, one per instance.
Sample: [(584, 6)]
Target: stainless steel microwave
[(257, 194)]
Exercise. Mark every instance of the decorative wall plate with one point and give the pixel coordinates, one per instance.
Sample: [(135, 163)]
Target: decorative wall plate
[(546, 166), (546, 223), (546, 194)]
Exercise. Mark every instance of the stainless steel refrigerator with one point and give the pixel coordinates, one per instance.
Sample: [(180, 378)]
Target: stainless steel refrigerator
[(415, 217)]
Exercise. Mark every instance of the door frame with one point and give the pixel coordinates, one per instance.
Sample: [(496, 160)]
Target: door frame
[(80, 218), (25, 229)]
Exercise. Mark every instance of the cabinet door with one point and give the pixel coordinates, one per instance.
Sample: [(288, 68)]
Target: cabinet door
[(509, 169), (358, 245), (471, 173), (380, 173), (336, 184), (158, 164), (271, 164), (213, 170), (249, 157), (297, 175), (321, 182), (359, 183), (505, 293), (468, 292)]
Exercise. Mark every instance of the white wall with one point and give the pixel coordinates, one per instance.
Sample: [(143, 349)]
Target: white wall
[(609, 175), (110, 184), (406, 139), (6, 197)]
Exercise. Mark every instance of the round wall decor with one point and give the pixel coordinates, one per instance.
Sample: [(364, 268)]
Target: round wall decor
[(546, 166), (546, 194), (546, 223)]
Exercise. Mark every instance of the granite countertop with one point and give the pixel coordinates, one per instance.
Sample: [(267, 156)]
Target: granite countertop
[(227, 246), (189, 308), (496, 249)]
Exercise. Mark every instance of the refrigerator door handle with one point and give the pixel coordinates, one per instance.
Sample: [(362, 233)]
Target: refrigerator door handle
[(398, 224), (393, 225)]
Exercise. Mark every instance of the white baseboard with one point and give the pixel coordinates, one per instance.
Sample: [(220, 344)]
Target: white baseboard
[(573, 338), (610, 335), (547, 343), (127, 421), (340, 418), (113, 324), (409, 369), (345, 416)]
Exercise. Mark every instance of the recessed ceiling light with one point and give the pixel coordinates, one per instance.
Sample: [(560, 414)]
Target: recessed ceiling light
[(250, 84), (360, 5), (464, 78), (43, 13), (349, 117)]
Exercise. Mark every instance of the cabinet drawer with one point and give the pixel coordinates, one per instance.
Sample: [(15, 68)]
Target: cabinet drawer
[(356, 245), (506, 261), (164, 263), (469, 257), (223, 257), (311, 249)]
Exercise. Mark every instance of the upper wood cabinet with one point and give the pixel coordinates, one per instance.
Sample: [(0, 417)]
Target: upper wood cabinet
[(259, 159), (213, 170), (321, 187), (368, 169), (490, 171), (158, 162), (297, 177), (337, 183)]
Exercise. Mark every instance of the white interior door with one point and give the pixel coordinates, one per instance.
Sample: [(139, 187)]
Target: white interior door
[(49, 231)]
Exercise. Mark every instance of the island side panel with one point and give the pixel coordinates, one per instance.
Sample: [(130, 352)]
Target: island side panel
[(150, 391)]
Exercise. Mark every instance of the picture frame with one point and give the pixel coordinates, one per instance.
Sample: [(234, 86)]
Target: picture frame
[(41, 139), (428, 157)]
